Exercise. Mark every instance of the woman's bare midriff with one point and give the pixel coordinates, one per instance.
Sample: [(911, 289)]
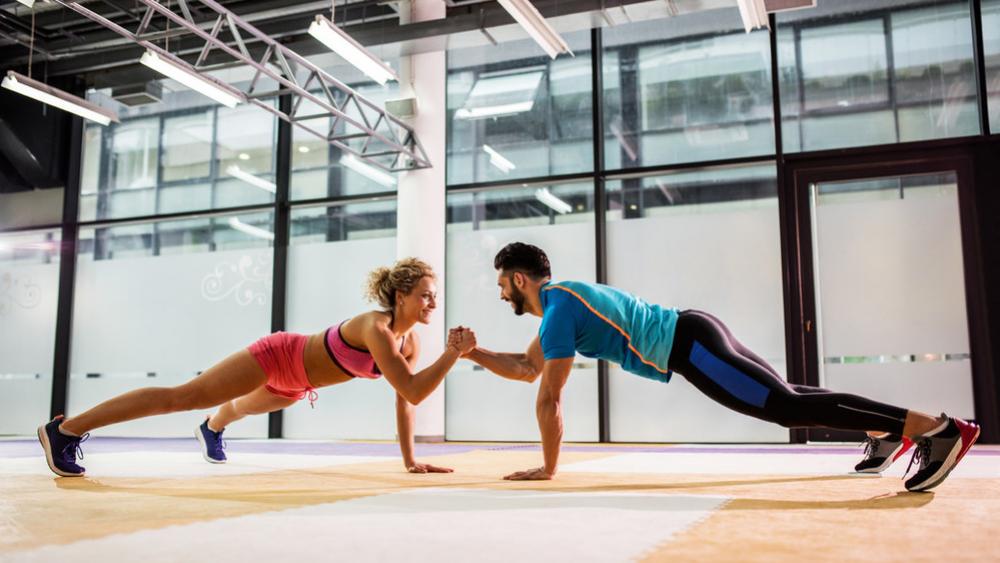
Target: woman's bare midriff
[(320, 369)]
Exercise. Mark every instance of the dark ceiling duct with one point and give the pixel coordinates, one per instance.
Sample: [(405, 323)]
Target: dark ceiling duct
[(33, 143)]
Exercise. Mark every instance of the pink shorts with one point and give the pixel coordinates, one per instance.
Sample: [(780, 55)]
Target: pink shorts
[(281, 356)]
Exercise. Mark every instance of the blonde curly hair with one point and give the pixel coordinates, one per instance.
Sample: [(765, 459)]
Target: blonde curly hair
[(383, 283)]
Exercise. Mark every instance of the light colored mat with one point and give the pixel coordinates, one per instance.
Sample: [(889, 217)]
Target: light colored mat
[(616, 510)]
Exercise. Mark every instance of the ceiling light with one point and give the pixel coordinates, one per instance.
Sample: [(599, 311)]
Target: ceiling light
[(527, 15), (353, 52), (497, 160), (258, 232), (249, 178), (754, 14), (57, 98), (368, 171), (190, 78), (548, 198), (303, 149)]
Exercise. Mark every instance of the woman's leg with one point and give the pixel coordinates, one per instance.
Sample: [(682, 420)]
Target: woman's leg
[(258, 401), (233, 377), (705, 355)]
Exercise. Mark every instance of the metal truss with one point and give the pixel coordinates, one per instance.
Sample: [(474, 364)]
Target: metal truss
[(356, 125)]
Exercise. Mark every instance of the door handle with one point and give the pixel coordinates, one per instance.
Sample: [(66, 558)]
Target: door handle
[(809, 325)]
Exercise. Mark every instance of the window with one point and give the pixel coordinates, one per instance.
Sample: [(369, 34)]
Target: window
[(865, 73), (686, 89), (513, 113)]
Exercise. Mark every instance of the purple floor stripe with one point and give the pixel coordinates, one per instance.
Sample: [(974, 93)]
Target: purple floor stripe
[(30, 448)]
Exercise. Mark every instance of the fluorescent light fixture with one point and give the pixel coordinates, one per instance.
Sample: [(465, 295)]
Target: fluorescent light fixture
[(258, 232), (527, 15), (46, 94), (353, 52), (754, 14), (494, 111), (28, 3), (249, 178), (497, 160), (190, 78), (548, 198), (368, 171)]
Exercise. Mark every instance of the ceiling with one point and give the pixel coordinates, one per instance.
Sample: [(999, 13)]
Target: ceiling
[(67, 43)]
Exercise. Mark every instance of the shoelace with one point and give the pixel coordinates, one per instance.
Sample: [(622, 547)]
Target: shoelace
[(220, 443), (72, 450), (871, 446), (921, 456)]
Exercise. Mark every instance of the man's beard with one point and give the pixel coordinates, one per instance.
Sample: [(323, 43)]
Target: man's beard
[(517, 298)]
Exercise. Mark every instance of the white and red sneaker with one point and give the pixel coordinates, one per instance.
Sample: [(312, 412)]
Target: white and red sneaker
[(940, 453), (880, 453)]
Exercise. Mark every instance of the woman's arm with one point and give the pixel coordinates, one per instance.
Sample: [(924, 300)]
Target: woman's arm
[(405, 415), (414, 387)]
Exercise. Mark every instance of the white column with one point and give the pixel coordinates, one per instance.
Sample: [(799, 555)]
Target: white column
[(420, 220)]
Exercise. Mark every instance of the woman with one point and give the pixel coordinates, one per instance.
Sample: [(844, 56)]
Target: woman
[(280, 369)]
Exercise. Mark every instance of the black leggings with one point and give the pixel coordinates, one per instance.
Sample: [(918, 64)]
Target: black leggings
[(708, 356)]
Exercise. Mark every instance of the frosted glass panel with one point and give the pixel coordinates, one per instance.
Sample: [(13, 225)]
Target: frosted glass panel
[(326, 277), (891, 292), (142, 319), (478, 404), (29, 293), (709, 241)]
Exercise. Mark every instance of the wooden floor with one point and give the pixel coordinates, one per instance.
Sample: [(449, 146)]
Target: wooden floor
[(157, 500)]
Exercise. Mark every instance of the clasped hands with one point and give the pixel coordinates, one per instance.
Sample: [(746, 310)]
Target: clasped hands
[(462, 339)]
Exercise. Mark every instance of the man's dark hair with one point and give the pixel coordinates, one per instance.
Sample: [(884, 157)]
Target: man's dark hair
[(525, 258)]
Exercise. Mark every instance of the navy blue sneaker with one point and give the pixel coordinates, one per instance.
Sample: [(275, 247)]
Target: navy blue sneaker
[(212, 445), (61, 450)]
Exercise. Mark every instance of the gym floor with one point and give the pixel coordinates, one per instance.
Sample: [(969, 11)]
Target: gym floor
[(156, 500)]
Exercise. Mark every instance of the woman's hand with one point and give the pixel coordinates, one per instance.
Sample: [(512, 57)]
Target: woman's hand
[(536, 474), (462, 339), (416, 467)]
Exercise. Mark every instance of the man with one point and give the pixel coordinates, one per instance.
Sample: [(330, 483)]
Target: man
[(603, 322)]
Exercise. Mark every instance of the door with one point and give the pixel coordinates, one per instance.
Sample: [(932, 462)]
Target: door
[(884, 300)]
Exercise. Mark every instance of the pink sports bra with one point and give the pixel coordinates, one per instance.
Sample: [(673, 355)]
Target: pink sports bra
[(353, 361)]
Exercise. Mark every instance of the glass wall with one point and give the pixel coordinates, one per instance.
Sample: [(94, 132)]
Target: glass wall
[(860, 72), (29, 294), (184, 154), (333, 247), (706, 240), (156, 304), (686, 89), (873, 239), (560, 220), (321, 170), (514, 113)]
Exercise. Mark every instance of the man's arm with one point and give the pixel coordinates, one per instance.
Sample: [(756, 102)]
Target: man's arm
[(548, 409), (519, 367)]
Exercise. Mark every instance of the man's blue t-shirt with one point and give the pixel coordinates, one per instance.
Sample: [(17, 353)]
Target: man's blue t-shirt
[(600, 321)]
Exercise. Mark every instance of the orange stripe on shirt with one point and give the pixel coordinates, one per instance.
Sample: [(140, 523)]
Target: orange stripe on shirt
[(610, 322)]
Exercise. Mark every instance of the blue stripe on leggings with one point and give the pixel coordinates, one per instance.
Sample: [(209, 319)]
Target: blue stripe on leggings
[(734, 381)]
